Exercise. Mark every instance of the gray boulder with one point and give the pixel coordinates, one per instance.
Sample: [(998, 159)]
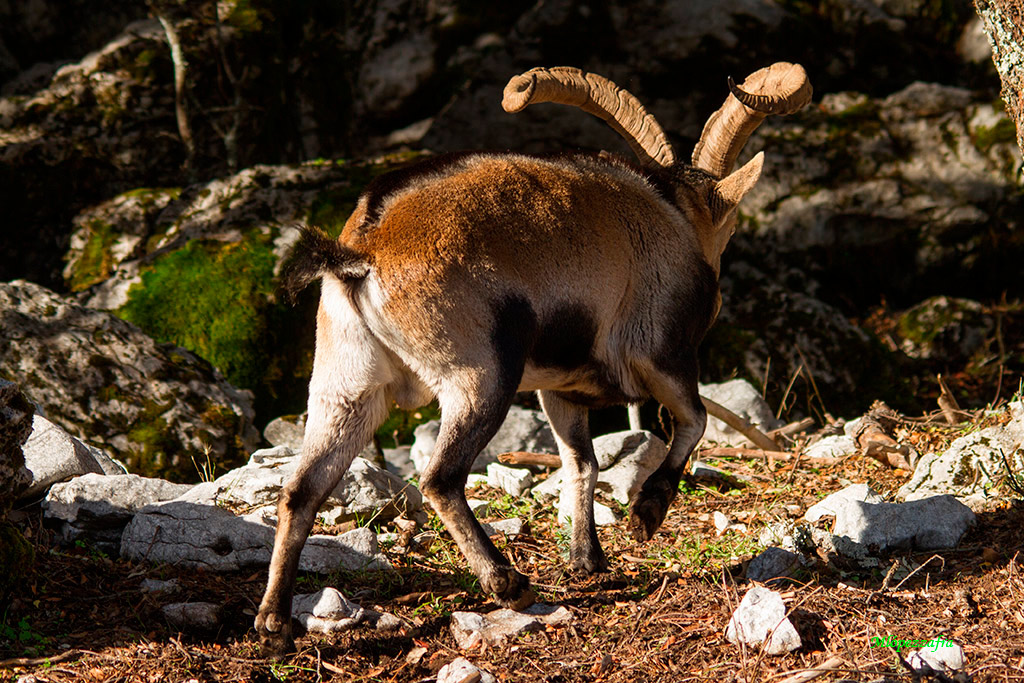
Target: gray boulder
[(286, 431), (514, 481), (365, 490), (928, 524), (98, 506), (626, 460), (761, 617), (973, 464), (832, 503), (772, 565), (742, 398), (155, 407), (209, 537), (201, 616), (52, 455)]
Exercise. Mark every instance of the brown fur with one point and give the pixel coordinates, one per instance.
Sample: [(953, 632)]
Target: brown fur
[(491, 273)]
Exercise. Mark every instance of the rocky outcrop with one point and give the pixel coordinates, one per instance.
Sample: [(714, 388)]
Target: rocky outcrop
[(53, 455), (153, 406)]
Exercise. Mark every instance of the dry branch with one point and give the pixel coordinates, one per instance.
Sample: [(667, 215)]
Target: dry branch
[(756, 436)]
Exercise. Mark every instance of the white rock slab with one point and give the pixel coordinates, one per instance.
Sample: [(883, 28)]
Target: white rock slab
[(939, 655), (328, 611), (742, 398), (930, 524), (514, 481), (461, 670), (210, 537), (632, 457), (53, 455), (471, 628), (838, 446), (830, 504), (364, 490), (761, 617)]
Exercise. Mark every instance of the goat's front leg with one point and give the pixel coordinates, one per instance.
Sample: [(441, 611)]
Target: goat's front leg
[(674, 385), (336, 432), (572, 433), (465, 429)]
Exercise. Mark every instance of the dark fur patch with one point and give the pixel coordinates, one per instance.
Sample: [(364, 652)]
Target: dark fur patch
[(513, 336), (387, 184), (315, 254), (566, 338), (692, 315)]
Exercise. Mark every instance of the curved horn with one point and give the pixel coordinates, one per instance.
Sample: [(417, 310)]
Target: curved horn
[(595, 95), (781, 88)]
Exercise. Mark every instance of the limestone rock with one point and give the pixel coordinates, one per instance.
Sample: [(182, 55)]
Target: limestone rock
[(511, 528), (365, 490), (773, 564), (98, 507), (52, 455), (630, 457), (971, 466), (494, 628), (203, 616), (205, 536), (514, 481), (742, 398), (286, 431), (153, 406), (832, 503), (941, 655), (461, 670), (328, 611), (927, 524), (603, 515), (836, 446), (761, 616)]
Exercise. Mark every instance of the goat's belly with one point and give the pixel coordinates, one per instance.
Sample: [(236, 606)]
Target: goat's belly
[(592, 385)]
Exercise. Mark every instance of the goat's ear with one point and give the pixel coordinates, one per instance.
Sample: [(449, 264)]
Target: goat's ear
[(727, 193)]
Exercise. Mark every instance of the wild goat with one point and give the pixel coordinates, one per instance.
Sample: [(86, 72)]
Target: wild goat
[(472, 276)]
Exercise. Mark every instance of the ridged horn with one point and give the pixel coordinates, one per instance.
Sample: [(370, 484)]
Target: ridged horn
[(595, 95), (781, 88)]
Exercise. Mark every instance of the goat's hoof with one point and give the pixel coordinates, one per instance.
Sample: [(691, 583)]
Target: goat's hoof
[(594, 563), (511, 589), (275, 637), (645, 516)]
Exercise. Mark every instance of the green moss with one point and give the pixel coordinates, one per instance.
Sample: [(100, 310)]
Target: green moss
[(1004, 131), (212, 299), (96, 262)]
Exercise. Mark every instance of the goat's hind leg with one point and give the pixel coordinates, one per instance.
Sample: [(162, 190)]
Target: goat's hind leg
[(467, 424), (336, 431), (569, 423), (674, 386)]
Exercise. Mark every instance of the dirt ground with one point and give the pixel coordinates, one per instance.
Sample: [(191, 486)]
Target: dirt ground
[(658, 615)]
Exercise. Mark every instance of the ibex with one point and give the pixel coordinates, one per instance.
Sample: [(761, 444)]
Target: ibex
[(472, 276)]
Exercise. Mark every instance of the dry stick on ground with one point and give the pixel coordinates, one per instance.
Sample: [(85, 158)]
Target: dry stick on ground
[(828, 665), (756, 436)]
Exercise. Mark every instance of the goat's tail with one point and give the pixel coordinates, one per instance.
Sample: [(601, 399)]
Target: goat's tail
[(314, 255)]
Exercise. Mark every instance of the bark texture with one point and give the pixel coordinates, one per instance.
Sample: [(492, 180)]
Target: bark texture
[(1004, 24)]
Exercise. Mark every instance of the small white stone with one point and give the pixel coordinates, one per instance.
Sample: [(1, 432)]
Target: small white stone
[(760, 616), (512, 480), (462, 669)]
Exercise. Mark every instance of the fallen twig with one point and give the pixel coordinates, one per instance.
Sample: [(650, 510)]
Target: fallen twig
[(804, 675), (756, 436), (39, 661), (528, 458)]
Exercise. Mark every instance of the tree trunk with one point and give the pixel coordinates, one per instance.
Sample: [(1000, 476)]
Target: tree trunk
[(1004, 24)]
